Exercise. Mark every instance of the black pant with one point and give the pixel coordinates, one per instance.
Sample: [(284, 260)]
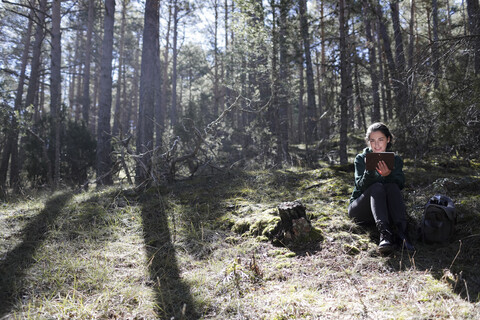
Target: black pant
[(380, 203)]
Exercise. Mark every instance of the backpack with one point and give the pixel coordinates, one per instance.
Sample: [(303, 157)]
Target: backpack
[(439, 219)]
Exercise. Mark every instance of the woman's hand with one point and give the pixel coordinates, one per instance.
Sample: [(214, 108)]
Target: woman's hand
[(383, 169)]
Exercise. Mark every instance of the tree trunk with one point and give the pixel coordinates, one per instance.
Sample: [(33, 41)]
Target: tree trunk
[(173, 110), (135, 99), (372, 67), (149, 66), (56, 85), (163, 97), (11, 148), (310, 134), (104, 148), (119, 104), (86, 70), (344, 83), (36, 55), (282, 129), (435, 53), (473, 10), (400, 80), (412, 31), (394, 71), (216, 80), (301, 106), (323, 105)]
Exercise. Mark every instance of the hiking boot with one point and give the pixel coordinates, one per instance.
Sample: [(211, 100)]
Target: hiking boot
[(385, 245)]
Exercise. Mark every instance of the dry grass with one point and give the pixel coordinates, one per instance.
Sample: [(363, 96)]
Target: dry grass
[(198, 250)]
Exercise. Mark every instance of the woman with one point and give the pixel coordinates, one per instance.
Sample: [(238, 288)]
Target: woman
[(376, 197)]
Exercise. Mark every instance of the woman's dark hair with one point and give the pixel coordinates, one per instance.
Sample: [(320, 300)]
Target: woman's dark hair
[(378, 126)]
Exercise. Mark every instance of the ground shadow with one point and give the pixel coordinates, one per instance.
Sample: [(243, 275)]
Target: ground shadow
[(173, 297), (18, 260), (455, 263)]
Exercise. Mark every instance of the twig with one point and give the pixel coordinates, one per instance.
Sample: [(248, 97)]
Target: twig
[(458, 252)]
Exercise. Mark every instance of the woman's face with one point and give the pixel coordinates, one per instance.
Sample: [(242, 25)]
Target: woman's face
[(378, 141)]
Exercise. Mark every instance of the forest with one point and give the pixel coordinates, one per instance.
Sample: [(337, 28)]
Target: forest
[(153, 140)]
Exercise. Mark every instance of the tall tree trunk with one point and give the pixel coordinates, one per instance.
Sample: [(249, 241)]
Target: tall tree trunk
[(359, 105), (282, 133), (146, 123), (159, 106), (473, 10), (79, 95), (400, 78), (394, 71), (227, 95), (412, 32), (56, 84), (216, 80), (372, 67), (119, 104), (344, 83), (104, 147), (173, 110), (301, 106), (435, 53), (163, 97), (132, 116), (86, 73), (272, 112), (310, 134), (15, 161), (11, 145), (36, 56), (323, 105)]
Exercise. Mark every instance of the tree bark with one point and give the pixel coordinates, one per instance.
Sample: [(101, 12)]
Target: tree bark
[(412, 32), (86, 70), (173, 110), (310, 133), (56, 85), (344, 83), (282, 133), (11, 145), (323, 105), (473, 11), (118, 129), (33, 86), (435, 53), (163, 97), (149, 66), (301, 138), (372, 67), (395, 71), (104, 147)]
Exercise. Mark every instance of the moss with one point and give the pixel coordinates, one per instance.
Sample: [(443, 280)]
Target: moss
[(257, 223), (315, 235), (351, 249)]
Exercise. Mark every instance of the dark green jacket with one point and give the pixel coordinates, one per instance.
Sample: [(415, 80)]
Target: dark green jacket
[(365, 178)]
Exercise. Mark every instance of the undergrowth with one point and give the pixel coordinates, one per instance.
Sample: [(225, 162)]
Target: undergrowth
[(199, 249)]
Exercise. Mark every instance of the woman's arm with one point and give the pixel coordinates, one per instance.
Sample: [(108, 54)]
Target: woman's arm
[(364, 178)]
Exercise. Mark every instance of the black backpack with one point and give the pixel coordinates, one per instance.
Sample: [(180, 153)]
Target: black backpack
[(439, 219)]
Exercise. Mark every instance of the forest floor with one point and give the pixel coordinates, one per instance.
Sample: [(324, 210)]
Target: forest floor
[(197, 250)]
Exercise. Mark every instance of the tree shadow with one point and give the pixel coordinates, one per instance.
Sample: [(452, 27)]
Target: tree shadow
[(18, 260), (172, 293)]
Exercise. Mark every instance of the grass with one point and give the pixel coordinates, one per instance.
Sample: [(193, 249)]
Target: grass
[(199, 249)]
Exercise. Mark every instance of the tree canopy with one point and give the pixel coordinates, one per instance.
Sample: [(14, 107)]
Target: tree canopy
[(194, 86)]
